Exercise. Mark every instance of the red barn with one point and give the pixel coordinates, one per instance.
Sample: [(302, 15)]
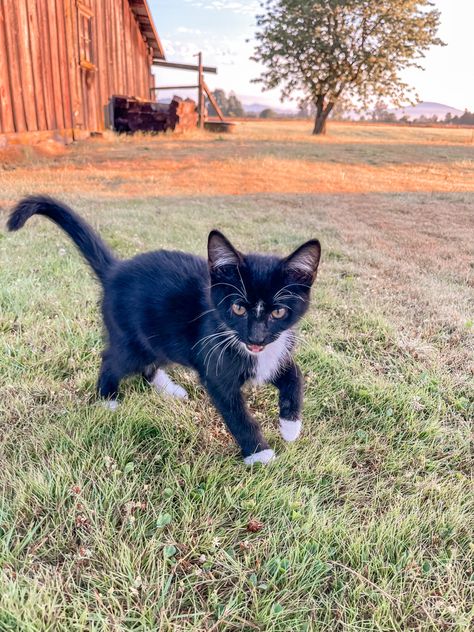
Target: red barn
[(61, 61)]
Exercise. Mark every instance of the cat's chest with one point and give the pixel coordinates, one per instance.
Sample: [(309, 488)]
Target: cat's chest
[(268, 363)]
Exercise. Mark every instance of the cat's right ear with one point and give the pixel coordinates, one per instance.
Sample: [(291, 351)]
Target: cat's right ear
[(221, 252)]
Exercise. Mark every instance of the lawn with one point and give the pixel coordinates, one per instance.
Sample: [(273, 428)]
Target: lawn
[(146, 519)]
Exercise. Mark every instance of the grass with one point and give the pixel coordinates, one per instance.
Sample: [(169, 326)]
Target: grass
[(139, 520)]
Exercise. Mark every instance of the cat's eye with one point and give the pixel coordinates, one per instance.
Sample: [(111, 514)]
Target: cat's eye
[(239, 310), (279, 313)]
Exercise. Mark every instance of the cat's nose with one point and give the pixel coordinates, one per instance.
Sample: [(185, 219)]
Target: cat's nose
[(258, 342)]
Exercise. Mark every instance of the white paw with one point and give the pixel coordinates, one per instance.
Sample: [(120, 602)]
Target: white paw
[(165, 385), (175, 390), (290, 430), (111, 404), (264, 456)]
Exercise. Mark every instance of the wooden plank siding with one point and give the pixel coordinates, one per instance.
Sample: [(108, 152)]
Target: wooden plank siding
[(48, 84)]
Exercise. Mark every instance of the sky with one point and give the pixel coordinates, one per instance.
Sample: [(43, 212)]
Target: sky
[(221, 28)]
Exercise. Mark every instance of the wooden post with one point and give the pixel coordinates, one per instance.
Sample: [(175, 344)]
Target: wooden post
[(201, 93)]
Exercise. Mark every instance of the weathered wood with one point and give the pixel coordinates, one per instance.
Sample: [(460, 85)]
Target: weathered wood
[(7, 123), (213, 102), (42, 83), (173, 88), (11, 33), (37, 64), (25, 66), (63, 65), (127, 45), (201, 92), (47, 78), (55, 64), (130, 115), (73, 66), (99, 47), (169, 64)]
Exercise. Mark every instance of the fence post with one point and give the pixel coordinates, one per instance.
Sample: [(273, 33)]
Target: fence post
[(201, 93)]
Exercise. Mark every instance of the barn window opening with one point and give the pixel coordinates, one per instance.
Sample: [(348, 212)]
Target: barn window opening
[(85, 26)]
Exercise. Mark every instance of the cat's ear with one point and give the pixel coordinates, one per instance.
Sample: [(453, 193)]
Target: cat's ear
[(304, 261), (221, 252)]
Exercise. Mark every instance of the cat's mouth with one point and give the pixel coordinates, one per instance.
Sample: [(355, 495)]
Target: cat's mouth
[(255, 348)]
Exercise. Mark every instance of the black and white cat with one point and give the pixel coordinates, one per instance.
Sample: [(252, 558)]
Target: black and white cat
[(230, 318)]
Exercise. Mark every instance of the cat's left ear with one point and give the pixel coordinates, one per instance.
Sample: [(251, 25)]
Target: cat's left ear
[(304, 261), (221, 252)]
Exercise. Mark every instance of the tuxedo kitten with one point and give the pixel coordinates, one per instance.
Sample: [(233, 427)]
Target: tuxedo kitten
[(230, 318)]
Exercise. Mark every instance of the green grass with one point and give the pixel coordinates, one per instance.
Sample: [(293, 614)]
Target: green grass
[(138, 520)]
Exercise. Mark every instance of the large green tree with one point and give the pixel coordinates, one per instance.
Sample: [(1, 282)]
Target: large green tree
[(325, 50)]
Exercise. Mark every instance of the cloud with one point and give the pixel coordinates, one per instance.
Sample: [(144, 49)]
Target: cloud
[(251, 7), (184, 29), (221, 50)]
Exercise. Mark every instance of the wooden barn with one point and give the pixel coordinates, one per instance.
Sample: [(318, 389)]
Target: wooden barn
[(62, 60)]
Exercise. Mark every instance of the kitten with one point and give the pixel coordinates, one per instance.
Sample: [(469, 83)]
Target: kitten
[(230, 318)]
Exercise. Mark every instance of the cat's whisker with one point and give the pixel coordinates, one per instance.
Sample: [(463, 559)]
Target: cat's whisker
[(243, 284), (287, 286), (211, 351), (286, 297), (209, 339), (235, 288), (229, 344), (208, 311), (228, 296)]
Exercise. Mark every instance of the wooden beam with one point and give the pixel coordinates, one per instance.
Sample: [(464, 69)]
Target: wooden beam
[(169, 64), (173, 88), (201, 105), (212, 101)]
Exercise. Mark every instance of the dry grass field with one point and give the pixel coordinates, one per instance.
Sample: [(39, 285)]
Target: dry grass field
[(138, 520)]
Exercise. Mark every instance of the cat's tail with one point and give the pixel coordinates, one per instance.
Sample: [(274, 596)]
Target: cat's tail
[(96, 253)]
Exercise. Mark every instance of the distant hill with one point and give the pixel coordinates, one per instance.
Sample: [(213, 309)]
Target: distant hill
[(427, 109)]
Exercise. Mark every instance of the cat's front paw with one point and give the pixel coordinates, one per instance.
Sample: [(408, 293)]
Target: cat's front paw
[(264, 456), (290, 430), (110, 404)]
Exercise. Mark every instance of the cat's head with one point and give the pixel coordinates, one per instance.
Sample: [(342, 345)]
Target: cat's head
[(260, 296)]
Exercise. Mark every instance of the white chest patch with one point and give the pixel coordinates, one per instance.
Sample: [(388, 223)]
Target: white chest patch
[(269, 361)]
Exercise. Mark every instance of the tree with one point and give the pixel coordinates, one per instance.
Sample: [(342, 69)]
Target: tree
[(267, 113), (234, 106), (328, 49), (221, 98), (230, 105), (379, 112)]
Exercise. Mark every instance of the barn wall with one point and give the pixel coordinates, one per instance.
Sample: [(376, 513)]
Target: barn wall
[(42, 83)]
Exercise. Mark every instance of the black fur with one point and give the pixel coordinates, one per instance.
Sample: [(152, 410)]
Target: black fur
[(168, 307)]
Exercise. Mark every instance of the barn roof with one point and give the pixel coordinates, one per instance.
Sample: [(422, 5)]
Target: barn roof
[(141, 10)]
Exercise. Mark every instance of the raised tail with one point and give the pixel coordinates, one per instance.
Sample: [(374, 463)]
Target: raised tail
[(97, 254)]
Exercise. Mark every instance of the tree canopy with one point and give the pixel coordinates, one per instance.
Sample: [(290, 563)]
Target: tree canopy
[(230, 105), (325, 50)]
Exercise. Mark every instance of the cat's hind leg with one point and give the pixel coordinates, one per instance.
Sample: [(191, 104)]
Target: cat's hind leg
[(108, 385), (114, 368)]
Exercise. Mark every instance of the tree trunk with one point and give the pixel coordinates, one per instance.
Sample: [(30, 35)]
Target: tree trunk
[(322, 114), (320, 123)]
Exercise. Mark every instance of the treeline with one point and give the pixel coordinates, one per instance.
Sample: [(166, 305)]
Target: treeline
[(380, 114), (231, 106)]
